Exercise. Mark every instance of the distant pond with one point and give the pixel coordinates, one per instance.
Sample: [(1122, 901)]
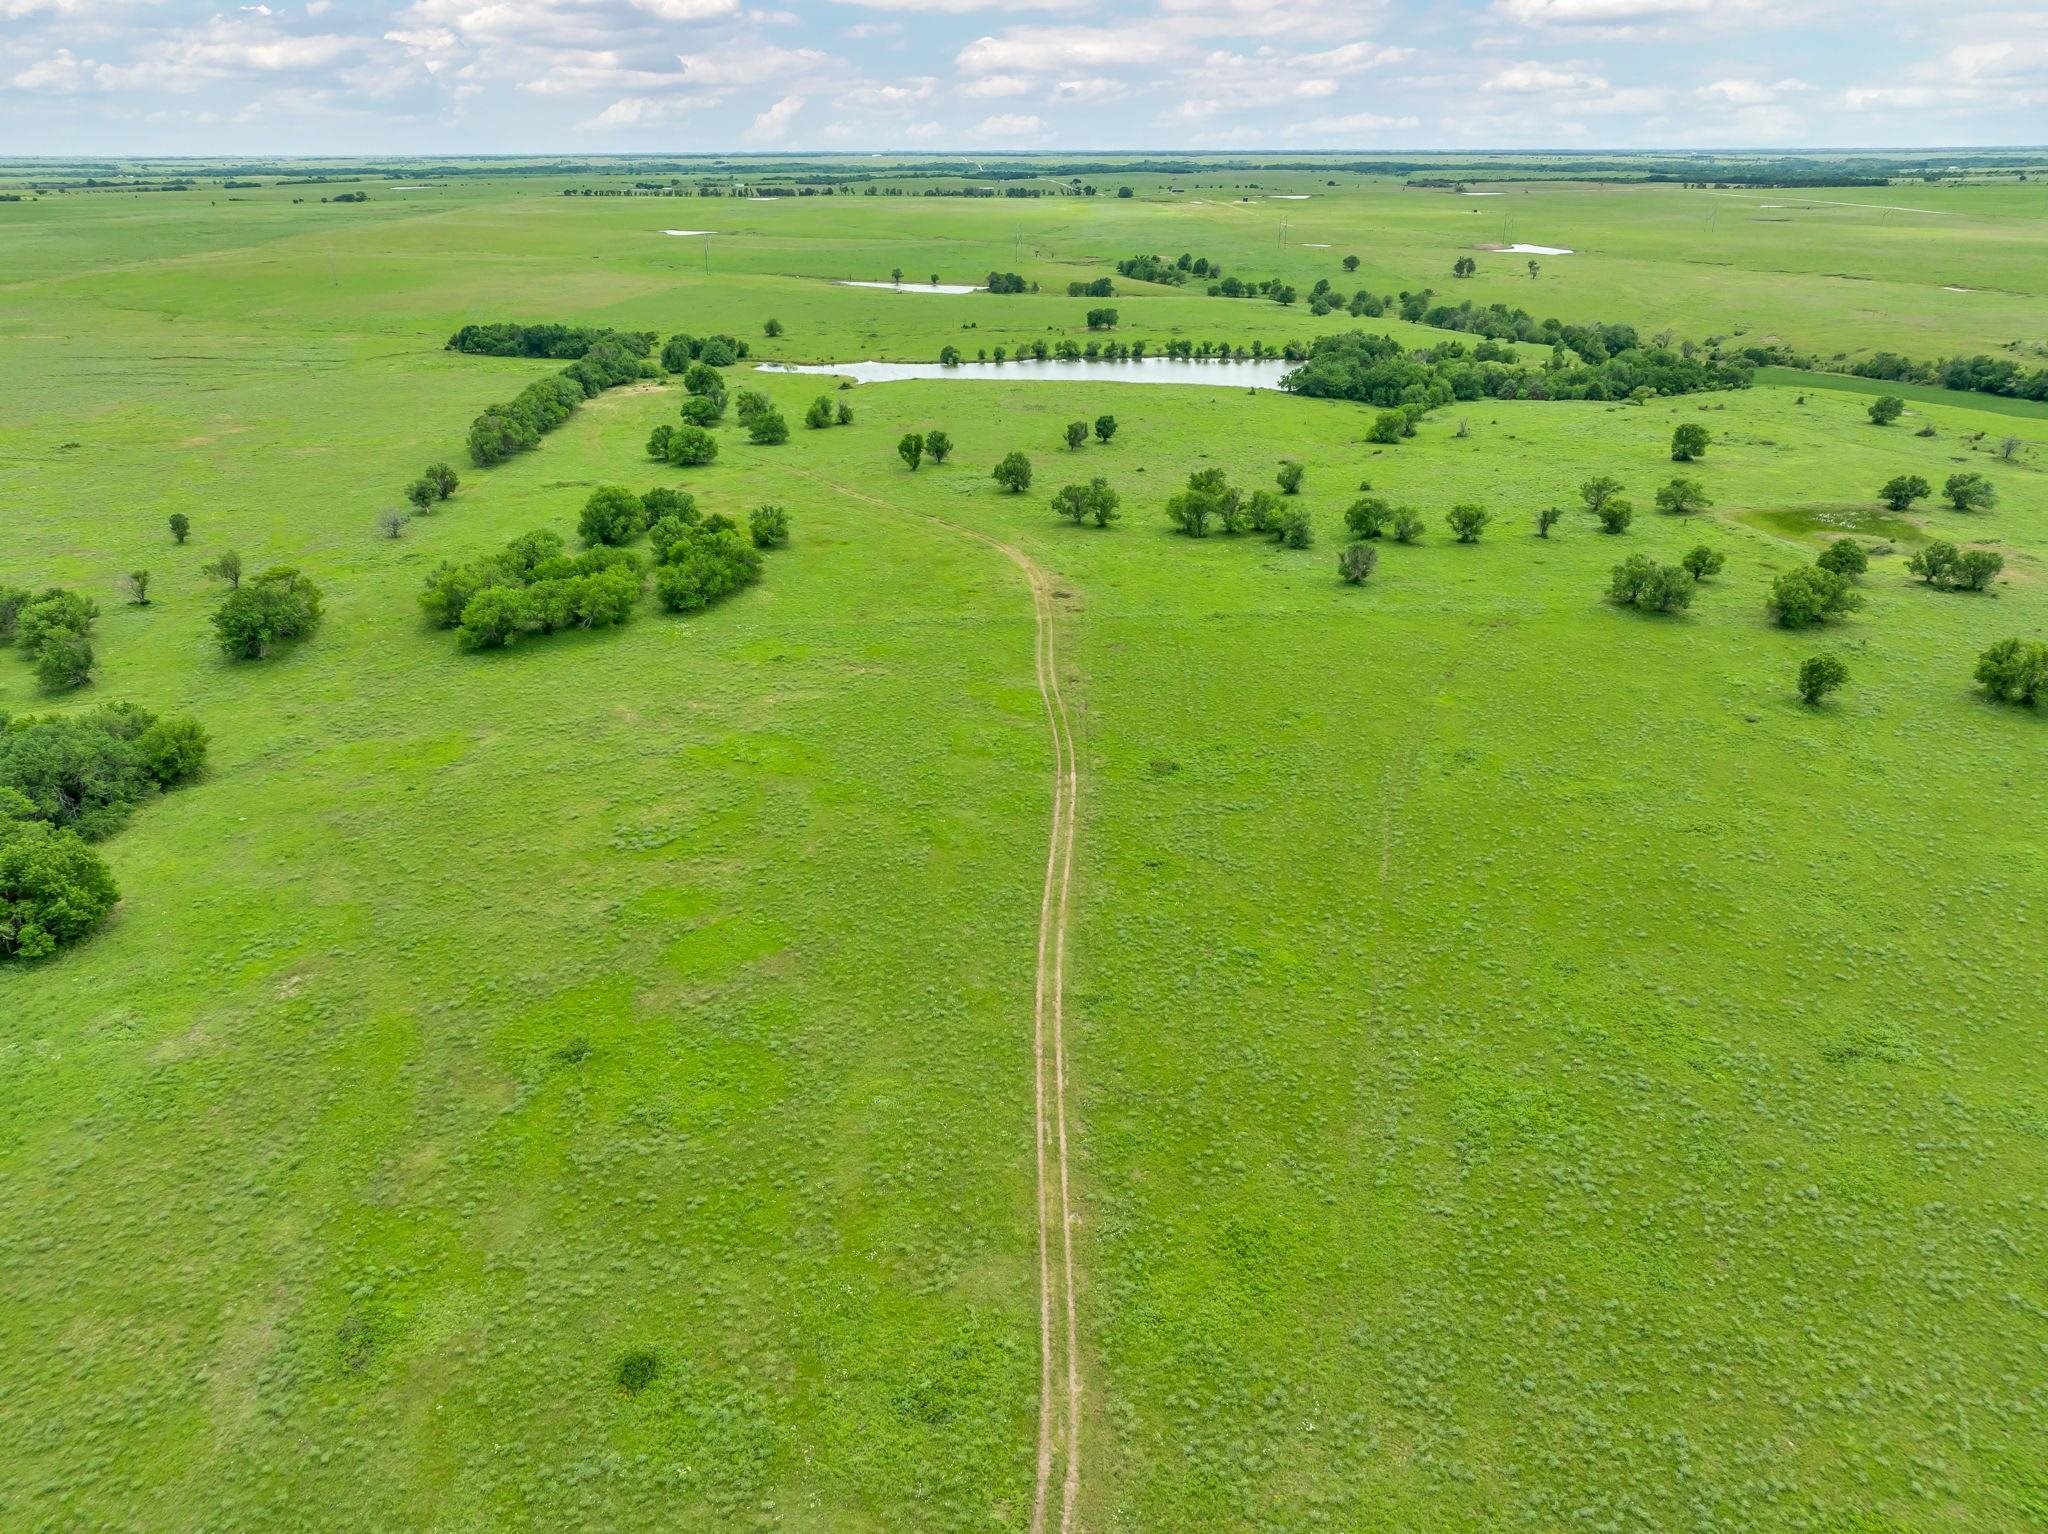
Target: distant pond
[(1136, 370)]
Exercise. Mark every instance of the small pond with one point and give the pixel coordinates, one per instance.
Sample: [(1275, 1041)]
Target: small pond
[(1137, 370)]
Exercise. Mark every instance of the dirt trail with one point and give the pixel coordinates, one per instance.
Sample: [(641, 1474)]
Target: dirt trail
[(1059, 1392)]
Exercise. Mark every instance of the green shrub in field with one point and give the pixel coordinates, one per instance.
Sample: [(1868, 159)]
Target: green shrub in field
[(1407, 525), (910, 448), (1356, 563), (1094, 501), (612, 515), (768, 526), (704, 566), (1639, 581), (1208, 498), (1683, 497), (84, 772), (1845, 556), (938, 447), (1885, 409), (1809, 595), (1820, 675), (53, 888), (1290, 477), (1700, 562), (278, 605), (2014, 670), (1467, 521), (1941, 563), (1688, 442), (532, 586), (1902, 490), (1368, 516), (1969, 492), (1013, 473), (1292, 527)]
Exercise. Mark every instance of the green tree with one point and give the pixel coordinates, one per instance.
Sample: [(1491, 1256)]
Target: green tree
[(1094, 501), (937, 446), (442, 477), (181, 526), (1933, 560), (612, 515), (277, 605), (1077, 433), (1700, 562), (1969, 492), (1351, 263), (1407, 525), (1464, 266), (1615, 514), (1975, 569), (768, 526), (50, 612), (1548, 518), (225, 567), (1845, 556), (845, 414), (138, 588), (1105, 427), (53, 888), (1013, 473), (64, 660), (1886, 408), (1356, 563), (767, 428), (1820, 675), (819, 414), (1688, 442), (1683, 497), (1293, 529), (910, 448), (1207, 498), (691, 447), (1289, 478), (1809, 595), (423, 494), (1902, 490), (2014, 670), (1467, 521), (1598, 491), (1368, 516), (701, 410), (772, 329), (1387, 426)]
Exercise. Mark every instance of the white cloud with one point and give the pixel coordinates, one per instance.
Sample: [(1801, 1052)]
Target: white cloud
[(772, 126), (1062, 50), (1530, 77), (989, 86), (1010, 125), (1075, 92), (1748, 93), (643, 112), (913, 90)]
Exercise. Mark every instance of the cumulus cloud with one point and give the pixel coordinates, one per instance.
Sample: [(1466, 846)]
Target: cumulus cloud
[(773, 125), (1010, 125)]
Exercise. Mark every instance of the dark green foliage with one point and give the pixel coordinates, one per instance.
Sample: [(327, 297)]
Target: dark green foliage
[(772, 329), (1368, 516), (1377, 370), (910, 448), (1683, 497), (767, 428), (1289, 478), (1885, 409), (1004, 282), (1845, 556), (1207, 498), (1688, 442), (1013, 473), (703, 381), (532, 587), (768, 526), (52, 611), (422, 493), (1105, 427), (85, 771), (2014, 670), (1548, 518), (679, 351), (225, 567), (637, 1367), (1386, 427), (277, 605), (560, 342), (138, 588), (1598, 491), (689, 446), (1700, 562), (1639, 581), (12, 600), (937, 446), (1094, 501), (844, 414), (1407, 525), (1975, 569), (181, 526), (64, 660), (1969, 492), (1102, 319), (703, 410), (1902, 490), (1357, 562), (1467, 521), (443, 478), (1101, 287), (1809, 595), (1292, 527), (703, 567), (819, 414), (1076, 434), (614, 515), (1933, 561), (53, 888), (1260, 511), (949, 356), (52, 630), (546, 403), (1820, 675), (1616, 512)]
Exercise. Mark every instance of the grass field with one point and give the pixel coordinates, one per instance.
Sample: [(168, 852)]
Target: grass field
[(1525, 1069)]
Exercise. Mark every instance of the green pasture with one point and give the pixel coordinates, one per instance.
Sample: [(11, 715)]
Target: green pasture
[(1527, 1069)]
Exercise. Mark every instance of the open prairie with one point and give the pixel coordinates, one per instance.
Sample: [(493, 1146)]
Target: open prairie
[(1446, 1053)]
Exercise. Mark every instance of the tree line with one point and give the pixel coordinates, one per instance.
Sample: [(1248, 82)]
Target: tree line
[(513, 427), (1377, 370), (563, 343)]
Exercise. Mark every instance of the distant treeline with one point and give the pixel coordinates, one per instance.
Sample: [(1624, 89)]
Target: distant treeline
[(546, 403), (1979, 374), (1378, 370), (561, 342)]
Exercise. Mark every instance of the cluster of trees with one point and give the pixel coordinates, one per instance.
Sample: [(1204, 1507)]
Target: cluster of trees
[(1094, 501), (915, 447), (1102, 319), (532, 586), (1941, 563), (266, 610), (52, 628), (1077, 431), (1210, 498), (564, 343), (1639, 581), (1378, 370), (1464, 266), (1008, 282), (1012, 471), (2014, 671), (1812, 594), (719, 351), (825, 411), (435, 484), (698, 563), (763, 422), (1373, 516), (66, 781), (1175, 273), (1978, 374), (1101, 287), (546, 403)]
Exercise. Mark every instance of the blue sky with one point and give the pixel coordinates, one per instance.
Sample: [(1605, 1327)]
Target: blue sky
[(509, 76)]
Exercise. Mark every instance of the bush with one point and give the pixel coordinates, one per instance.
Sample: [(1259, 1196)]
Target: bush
[(1207, 498), (1292, 527), (1820, 675), (704, 381), (443, 478), (227, 567), (1845, 556), (703, 568), (1407, 525), (279, 604), (51, 612), (612, 515), (1885, 409), (423, 494), (767, 428), (1700, 562), (1467, 521), (1933, 561), (1289, 478), (819, 415), (1615, 514), (701, 410), (544, 404), (1969, 492), (1688, 442), (1076, 433), (1639, 581), (1902, 490), (845, 414), (53, 888), (690, 447), (1081, 503), (1368, 516), (1975, 569), (2014, 670), (85, 771), (768, 526), (1809, 595), (637, 1367), (64, 660), (1546, 519), (1105, 427), (1013, 473), (181, 526), (12, 600), (910, 448), (173, 750), (938, 446), (1357, 562), (1683, 497), (1387, 426)]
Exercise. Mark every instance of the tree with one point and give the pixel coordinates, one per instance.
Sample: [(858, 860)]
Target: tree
[(612, 515), (181, 526), (1293, 528), (1688, 442), (2014, 670), (1467, 521), (227, 567), (1700, 562), (1885, 409), (1289, 478), (64, 659), (1845, 556), (1933, 561), (1081, 503), (937, 446), (1598, 491), (691, 447), (1367, 516), (1208, 497), (1548, 518), (896, 275), (1356, 563), (1640, 581), (1683, 497), (1013, 473), (767, 428), (277, 605), (1387, 426), (1975, 569), (422, 493), (1105, 427), (1407, 525), (1615, 514), (1464, 266), (138, 588), (845, 414), (911, 450), (1902, 490), (1820, 675), (700, 410), (772, 329), (768, 526), (442, 476), (1077, 433), (1809, 595), (392, 523), (1351, 263), (704, 380), (819, 414), (1969, 492), (1102, 319), (53, 888)]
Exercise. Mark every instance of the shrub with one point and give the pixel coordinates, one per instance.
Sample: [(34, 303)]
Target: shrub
[(701, 410), (772, 329), (1688, 442), (443, 478), (85, 771), (1820, 675), (1013, 473), (612, 515), (767, 428), (181, 526), (1077, 433), (1407, 525), (1357, 562), (53, 888), (1208, 497), (1975, 569), (392, 523), (423, 494), (12, 600), (1546, 519), (1289, 478), (172, 750), (1081, 503), (1615, 514), (1700, 562), (277, 605), (1683, 497), (1969, 492), (1639, 581), (1885, 409), (705, 567), (937, 446), (910, 448), (691, 446), (637, 1367), (1105, 427), (65, 659), (844, 414), (1368, 516), (704, 381), (819, 415), (1293, 528), (2014, 670), (1845, 556), (51, 612), (1468, 521), (137, 583), (226, 567), (1809, 595), (1902, 490), (1596, 492), (768, 526), (1933, 561), (1387, 426)]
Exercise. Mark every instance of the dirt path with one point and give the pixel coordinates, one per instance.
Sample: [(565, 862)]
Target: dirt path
[(1059, 1391)]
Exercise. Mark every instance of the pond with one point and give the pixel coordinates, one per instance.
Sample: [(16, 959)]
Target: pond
[(914, 287), (1134, 370)]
